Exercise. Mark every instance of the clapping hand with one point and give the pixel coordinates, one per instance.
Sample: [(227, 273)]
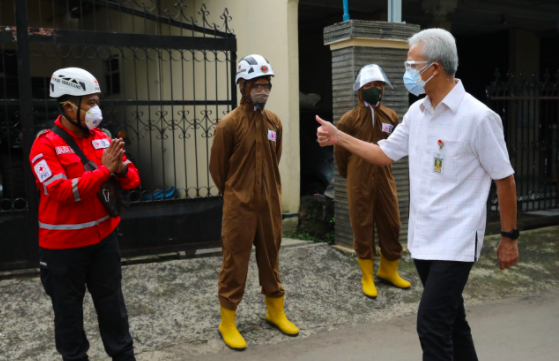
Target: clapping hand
[(113, 155)]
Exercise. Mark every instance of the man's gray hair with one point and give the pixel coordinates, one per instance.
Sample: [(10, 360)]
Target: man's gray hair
[(438, 45)]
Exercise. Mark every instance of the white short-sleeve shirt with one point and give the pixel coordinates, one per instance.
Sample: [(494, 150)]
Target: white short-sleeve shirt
[(448, 208)]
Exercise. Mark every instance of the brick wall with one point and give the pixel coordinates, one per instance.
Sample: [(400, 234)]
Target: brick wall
[(346, 63)]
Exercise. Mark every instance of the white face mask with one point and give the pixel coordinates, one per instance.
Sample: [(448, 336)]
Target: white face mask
[(93, 117), (413, 81)]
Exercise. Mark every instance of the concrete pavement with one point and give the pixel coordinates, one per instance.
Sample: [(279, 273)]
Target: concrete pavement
[(174, 311), (517, 329)]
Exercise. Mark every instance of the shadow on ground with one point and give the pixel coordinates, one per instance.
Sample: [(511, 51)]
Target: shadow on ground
[(174, 311)]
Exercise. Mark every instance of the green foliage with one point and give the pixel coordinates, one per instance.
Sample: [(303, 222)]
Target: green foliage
[(303, 236)]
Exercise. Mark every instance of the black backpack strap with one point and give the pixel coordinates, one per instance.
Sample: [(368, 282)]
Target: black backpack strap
[(70, 141)]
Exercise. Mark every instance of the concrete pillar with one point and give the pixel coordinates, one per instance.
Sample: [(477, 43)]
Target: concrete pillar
[(355, 44)]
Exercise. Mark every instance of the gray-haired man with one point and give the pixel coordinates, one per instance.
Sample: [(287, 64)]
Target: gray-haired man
[(456, 147)]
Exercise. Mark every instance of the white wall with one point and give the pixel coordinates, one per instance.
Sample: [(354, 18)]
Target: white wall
[(269, 28)]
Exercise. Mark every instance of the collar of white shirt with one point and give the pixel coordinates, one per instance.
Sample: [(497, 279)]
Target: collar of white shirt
[(452, 100)]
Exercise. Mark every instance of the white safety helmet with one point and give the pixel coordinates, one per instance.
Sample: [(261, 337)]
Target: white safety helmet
[(369, 73), (253, 66), (73, 81)]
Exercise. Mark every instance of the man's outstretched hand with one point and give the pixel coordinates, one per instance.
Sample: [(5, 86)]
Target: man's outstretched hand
[(327, 134)]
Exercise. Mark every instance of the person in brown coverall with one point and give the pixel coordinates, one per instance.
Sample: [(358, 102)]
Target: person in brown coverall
[(244, 161), (371, 189)]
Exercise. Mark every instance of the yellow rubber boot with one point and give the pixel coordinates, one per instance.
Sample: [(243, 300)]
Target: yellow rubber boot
[(388, 271), (369, 288), (276, 317), (228, 331)]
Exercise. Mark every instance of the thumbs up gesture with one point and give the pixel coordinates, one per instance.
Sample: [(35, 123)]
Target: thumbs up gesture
[(327, 133)]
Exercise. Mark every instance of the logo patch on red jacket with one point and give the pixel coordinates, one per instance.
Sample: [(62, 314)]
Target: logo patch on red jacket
[(42, 171), (101, 143), (64, 150)]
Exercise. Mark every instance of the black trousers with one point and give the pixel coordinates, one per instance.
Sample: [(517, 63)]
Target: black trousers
[(443, 331), (65, 273)]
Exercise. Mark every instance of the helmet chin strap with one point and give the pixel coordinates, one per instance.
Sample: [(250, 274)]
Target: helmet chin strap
[(76, 122), (245, 92)]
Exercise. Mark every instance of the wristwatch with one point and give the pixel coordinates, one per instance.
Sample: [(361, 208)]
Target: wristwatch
[(514, 234)]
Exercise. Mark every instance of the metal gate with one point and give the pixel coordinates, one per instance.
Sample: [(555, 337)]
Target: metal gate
[(530, 113), (167, 76)]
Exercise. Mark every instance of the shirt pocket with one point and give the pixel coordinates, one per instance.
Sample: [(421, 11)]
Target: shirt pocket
[(72, 165), (452, 152), (52, 275)]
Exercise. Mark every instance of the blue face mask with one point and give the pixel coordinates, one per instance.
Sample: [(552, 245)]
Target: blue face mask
[(413, 82)]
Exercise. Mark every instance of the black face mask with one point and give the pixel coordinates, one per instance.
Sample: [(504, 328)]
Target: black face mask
[(372, 95)]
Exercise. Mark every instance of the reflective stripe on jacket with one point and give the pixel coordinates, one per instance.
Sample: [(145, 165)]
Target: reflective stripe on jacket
[(70, 214)]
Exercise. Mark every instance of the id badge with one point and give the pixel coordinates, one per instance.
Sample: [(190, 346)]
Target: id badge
[(438, 163)]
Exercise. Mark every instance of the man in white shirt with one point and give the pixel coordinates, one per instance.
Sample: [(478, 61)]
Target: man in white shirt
[(456, 147)]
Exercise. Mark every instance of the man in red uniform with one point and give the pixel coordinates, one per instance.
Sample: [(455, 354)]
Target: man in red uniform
[(77, 238)]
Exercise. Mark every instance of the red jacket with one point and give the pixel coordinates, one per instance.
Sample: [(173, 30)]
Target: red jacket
[(70, 214)]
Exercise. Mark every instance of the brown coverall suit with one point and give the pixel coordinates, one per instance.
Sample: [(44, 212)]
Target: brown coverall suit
[(244, 161), (371, 189)]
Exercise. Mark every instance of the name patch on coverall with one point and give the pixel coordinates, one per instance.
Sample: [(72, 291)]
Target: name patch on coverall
[(387, 128), (272, 135)]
